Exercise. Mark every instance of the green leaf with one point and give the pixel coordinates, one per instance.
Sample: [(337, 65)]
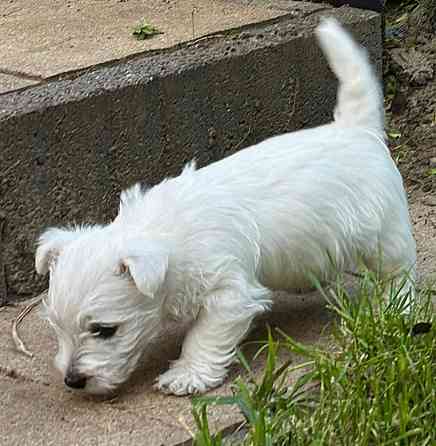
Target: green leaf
[(394, 135), (145, 31)]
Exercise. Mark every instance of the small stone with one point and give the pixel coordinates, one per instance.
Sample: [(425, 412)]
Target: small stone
[(432, 162), (244, 35), (426, 187), (429, 200)]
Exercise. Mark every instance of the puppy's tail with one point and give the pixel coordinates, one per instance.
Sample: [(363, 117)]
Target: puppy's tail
[(360, 98)]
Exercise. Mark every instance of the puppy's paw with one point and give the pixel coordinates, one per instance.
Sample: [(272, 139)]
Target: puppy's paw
[(180, 380)]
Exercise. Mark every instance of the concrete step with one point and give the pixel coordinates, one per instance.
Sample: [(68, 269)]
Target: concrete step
[(42, 39)]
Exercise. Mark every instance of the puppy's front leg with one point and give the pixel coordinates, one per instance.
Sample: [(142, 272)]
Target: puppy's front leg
[(209, 346)]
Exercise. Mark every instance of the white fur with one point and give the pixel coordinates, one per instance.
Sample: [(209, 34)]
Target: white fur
[(211, 244)]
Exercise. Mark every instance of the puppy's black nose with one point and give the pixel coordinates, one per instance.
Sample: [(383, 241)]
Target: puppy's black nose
[(75, 381)]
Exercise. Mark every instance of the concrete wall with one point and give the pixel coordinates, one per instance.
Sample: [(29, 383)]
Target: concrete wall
[(68, 147)]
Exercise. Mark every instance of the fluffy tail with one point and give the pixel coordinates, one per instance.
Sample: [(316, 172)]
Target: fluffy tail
[(360, 98)]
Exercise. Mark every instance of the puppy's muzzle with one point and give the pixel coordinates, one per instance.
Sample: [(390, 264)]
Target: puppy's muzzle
[(75, 381)]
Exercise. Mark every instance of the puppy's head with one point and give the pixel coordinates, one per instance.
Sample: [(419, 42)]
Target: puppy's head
[(103, 302)]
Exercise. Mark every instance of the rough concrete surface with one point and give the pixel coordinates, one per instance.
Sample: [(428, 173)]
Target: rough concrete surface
[(35, 408), (43, 38), (10, 82), (69, 146)]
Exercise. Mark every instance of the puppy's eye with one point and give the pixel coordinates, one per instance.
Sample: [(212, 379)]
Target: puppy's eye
[(103, 331)]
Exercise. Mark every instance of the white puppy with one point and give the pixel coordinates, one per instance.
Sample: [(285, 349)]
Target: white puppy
[(212, 243)]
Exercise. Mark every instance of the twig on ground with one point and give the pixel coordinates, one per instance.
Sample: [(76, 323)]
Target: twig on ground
[(185, 426), (19, 344), (194, 10)]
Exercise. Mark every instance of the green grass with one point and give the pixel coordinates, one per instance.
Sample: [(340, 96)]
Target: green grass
[(374, 385)]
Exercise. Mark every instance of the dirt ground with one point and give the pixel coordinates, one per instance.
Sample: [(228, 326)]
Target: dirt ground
[(410, 91)]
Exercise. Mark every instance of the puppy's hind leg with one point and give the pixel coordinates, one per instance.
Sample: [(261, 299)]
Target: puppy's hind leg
[(209, 347), (395, 262)]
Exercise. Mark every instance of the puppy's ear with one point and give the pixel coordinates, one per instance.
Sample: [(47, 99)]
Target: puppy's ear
[(147, 263), (50, 244)]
